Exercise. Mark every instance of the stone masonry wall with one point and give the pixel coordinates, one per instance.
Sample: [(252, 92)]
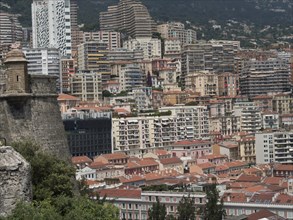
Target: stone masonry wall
[(37, 119), (15, 180)]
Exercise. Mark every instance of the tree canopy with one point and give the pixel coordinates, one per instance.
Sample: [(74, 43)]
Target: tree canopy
[(186, 209), (157, 212), (54, 193), (214, 208)]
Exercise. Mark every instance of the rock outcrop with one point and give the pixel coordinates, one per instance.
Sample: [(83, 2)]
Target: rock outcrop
[(15, 180)]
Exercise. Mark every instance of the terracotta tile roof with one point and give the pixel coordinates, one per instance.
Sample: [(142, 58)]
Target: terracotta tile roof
[(172, 160), (264, 214), (264, 197), (283, 167), (229, 145), (234, 197), (146, 162), (121, 193), (135, 178), (97, 165), (249, 178), (206, 165), (115, 156), (284, 199), (273, 180), (161, 152), (240, 185), (65, 97), (257, 188), (153, 176), (252, 170), (236, 164), (221, 168), (80, 160), (213, 156), (186, 142), (91, 182)]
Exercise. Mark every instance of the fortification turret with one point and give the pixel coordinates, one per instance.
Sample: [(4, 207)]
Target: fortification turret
[(17, 76)]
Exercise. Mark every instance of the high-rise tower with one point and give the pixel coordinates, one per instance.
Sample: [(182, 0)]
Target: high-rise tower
[(51, 25), (129, 16)]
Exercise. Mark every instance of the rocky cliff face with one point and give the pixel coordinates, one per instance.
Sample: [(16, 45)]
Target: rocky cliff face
[(15, 180)]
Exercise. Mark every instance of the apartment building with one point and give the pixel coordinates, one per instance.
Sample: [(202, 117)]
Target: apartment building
[(137, 135), (151, 47), (111, 38), (214, 56), (93, 56), (51, 25), (131, 77), (10, 29), (228, 84), (172, 49), (274, 147), (250, 116), (67, 70), (87, 85), (143, 98), (130, 17), (283, 103), (264, 77), (134, 203), (177, 31), (270, 120), (123, 54), (247, 149), (44, 61), (203, 82), (263, 102)]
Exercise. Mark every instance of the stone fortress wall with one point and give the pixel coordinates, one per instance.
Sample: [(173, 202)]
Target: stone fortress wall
[(32, 113)]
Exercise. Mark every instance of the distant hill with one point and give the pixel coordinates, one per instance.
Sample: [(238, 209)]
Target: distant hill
[(260, 19), (259, 12)]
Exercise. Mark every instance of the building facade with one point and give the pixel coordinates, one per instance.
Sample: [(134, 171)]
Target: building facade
[(274, 147), (87, 85), (130, 17), (112, 38), (51, 25), (88, 134), (264, 77), (137, 135)]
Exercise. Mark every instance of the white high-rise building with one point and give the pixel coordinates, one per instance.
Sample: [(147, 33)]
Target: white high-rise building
[(51, 25), (138, 135), (274, 147)]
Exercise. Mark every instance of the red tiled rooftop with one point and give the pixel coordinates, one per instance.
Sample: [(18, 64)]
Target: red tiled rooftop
[(257, 188), (213, 156), (264, 214), (273, 180), (96, 165), (283, 167), (81, 159), (248, 178), (121, 193), (221, 167), (115, 156), (206, 165), (284, 199), (172, 160), (66, 97), (234, 197), (161, 152)]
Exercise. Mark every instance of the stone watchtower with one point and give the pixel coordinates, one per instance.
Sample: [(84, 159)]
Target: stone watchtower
[(29, 107), (17, 76)]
